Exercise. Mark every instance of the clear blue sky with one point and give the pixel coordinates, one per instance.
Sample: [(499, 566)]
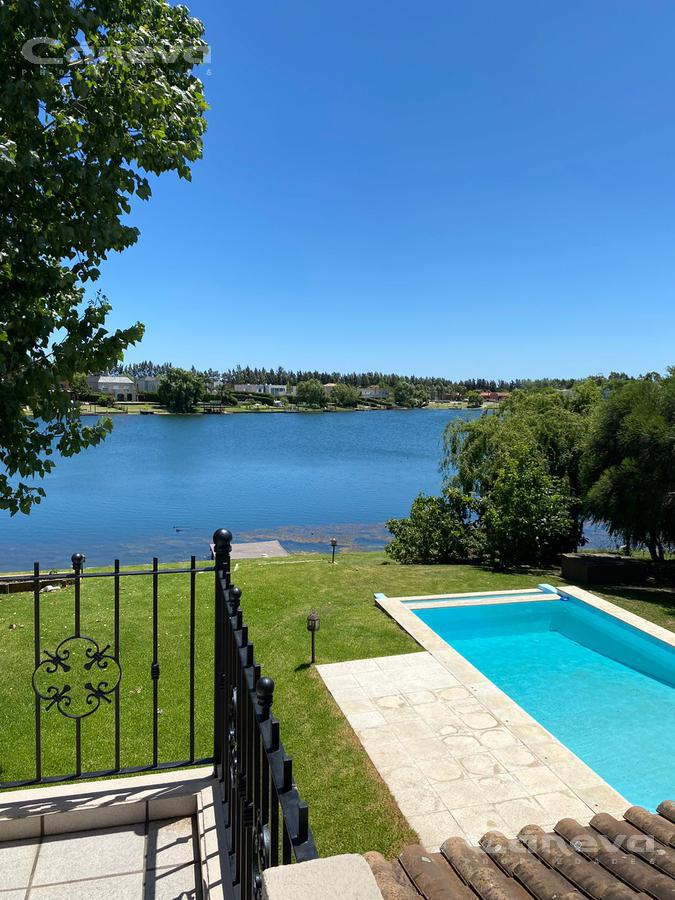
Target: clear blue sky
[(446, 188)]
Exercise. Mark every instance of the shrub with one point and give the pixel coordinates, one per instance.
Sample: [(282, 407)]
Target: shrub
[(445, 529)]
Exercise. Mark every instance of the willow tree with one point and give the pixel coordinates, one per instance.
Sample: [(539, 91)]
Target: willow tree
[(95, 95)]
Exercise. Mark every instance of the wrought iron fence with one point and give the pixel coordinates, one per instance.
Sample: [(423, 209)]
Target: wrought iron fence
[(78, 675), (266, 822)]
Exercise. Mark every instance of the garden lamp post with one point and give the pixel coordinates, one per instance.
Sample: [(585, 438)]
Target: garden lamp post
[(333, 543), (313, 625)]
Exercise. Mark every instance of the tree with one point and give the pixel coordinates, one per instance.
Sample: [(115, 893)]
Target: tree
[(344, 395), (474, 400), (85, 115), (629, 463), (79, 384), (545, 426), (180, 391), (512, 491), (410, 395), (311, 392), (442, 529), (527, 516)]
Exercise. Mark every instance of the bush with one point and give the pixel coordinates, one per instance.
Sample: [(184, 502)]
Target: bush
[(252, 397), (444, 529), (98, 399)]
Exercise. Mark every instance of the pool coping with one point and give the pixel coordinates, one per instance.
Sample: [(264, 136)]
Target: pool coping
[(396, 606)]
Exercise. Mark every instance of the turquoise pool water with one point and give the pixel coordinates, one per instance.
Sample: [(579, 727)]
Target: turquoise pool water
[(603, 688)]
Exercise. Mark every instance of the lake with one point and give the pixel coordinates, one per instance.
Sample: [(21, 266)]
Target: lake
[(160, 485)]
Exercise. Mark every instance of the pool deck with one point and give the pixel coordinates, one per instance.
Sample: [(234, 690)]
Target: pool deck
[(459, 755)]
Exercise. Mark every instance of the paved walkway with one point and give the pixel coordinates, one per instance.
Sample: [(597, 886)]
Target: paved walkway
[(460, 757), (256, 550), (154, 861)]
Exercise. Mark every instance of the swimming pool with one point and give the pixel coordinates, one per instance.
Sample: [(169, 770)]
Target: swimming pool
[(602, 687)]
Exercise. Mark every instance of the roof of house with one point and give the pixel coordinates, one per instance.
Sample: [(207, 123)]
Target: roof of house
[(113, 379), (611, 859)]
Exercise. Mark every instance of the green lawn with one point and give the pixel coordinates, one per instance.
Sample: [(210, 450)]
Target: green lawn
[(350, 808)]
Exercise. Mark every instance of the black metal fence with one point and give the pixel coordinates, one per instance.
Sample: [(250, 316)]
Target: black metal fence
[(77, 676), (266, 822)]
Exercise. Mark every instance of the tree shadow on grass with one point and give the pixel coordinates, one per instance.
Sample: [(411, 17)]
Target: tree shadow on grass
[(664, 596), (660, 600)]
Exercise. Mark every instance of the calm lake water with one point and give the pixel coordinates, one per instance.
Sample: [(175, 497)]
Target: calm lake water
[(160, 485)]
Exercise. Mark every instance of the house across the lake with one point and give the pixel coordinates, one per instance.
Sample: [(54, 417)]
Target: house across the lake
[(274, 390), (118, 386), (147, 384), (374, 393), (494, 396)]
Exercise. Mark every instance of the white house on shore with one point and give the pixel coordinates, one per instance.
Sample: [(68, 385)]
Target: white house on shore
[(374, 393), (274, 390), (118, 386)]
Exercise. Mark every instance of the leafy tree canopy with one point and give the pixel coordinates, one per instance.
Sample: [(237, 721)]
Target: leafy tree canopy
[(629, 463), (408, 394), (528, 513), (86, 113), (344, 395), (311, 392), (520, 467), (180, 391)]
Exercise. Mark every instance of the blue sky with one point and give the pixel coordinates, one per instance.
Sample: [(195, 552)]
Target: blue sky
[(446, 188)]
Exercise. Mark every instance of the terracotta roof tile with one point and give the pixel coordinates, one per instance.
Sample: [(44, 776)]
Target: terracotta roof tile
[(611, 859)]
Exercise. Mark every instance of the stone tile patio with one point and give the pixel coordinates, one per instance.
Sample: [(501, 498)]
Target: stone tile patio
[(158, 859), (459, 756)]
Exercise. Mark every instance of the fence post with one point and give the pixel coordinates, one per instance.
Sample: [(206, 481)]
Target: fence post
[(222, 545)]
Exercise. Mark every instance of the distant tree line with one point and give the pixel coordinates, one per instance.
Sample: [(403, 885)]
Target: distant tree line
[(434, 386)]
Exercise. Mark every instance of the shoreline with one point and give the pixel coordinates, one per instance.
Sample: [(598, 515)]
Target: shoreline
[(139, 409)]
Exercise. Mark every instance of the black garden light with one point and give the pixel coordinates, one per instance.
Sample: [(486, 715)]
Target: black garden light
[(333, 543), (313, 625)]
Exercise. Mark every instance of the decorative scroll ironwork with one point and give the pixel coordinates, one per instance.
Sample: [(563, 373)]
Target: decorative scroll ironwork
[(77, 677), (232, 738), (262, 848)]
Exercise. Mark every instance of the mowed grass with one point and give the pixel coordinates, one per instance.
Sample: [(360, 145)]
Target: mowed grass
[(351, 809)]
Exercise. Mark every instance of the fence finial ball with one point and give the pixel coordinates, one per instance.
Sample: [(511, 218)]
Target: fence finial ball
[(222, 538), (77, 560), (264, 690)]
